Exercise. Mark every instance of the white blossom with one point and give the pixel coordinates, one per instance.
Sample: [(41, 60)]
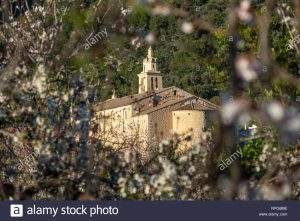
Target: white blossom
[(275, 111), (187, 27)]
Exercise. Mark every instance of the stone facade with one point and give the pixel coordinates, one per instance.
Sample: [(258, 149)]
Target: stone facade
[(142, 120)]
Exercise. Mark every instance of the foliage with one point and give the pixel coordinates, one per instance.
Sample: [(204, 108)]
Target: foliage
[(50, 81), (250, 153)]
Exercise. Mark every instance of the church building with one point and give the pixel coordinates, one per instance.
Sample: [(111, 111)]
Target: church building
[(154, 114)]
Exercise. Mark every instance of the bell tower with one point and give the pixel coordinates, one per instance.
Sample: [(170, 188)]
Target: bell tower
[(149, 79)]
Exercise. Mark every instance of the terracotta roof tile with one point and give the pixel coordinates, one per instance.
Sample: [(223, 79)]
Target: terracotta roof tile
[(149, 102)]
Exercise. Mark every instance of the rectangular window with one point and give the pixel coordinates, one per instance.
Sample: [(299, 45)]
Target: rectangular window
[(152, 83), (156, 83)]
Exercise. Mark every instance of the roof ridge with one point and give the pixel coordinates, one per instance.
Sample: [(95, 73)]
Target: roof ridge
[(129, 96), (203, 99)]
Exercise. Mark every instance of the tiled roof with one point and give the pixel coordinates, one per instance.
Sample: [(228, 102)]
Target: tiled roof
[(149, 102)]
